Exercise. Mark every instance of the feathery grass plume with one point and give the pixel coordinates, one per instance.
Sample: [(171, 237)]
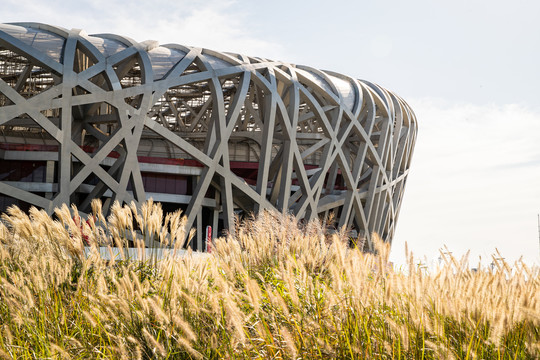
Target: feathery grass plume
[(59, 352), (118, 223), (160, 315), (122, 349), (155, 345), (4, 355), (177, 225), (7, 336), (289, 341), (184, 327), (185, 345), (254, 293), (235, 320), (97, 210), (4, 236)]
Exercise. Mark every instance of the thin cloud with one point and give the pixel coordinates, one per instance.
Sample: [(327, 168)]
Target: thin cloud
[(472, 183), (217, 25)]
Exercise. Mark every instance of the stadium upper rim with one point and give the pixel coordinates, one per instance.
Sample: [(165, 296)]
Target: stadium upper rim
[(50, 40)]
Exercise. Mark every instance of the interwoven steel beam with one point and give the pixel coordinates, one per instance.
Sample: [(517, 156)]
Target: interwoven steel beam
[(324, 142)]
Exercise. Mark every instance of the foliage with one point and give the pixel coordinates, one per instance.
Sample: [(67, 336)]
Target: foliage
[(273, 289)]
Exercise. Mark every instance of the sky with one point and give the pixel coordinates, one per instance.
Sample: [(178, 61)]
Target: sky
[(469, 70)]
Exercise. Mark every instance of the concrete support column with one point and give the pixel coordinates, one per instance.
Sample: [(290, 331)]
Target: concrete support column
[(198, 218), (49, 177), (199, 230), (215, 220)]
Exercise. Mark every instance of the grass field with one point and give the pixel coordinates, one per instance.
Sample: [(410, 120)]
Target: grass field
[(275, 289)]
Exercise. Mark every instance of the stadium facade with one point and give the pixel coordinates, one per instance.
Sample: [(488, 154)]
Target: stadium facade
[(103, 116)]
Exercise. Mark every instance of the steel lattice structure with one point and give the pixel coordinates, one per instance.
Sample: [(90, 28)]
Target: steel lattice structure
[(101, 115)]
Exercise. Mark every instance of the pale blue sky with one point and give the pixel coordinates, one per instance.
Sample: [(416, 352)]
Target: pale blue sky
[(468, 68)]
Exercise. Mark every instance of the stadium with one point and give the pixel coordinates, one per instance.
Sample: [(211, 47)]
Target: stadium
[(214, 134)]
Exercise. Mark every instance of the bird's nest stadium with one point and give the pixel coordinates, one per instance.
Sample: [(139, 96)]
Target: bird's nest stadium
[(215, 134)]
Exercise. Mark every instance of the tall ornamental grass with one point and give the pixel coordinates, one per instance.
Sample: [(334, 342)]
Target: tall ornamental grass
[(273, 289)]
